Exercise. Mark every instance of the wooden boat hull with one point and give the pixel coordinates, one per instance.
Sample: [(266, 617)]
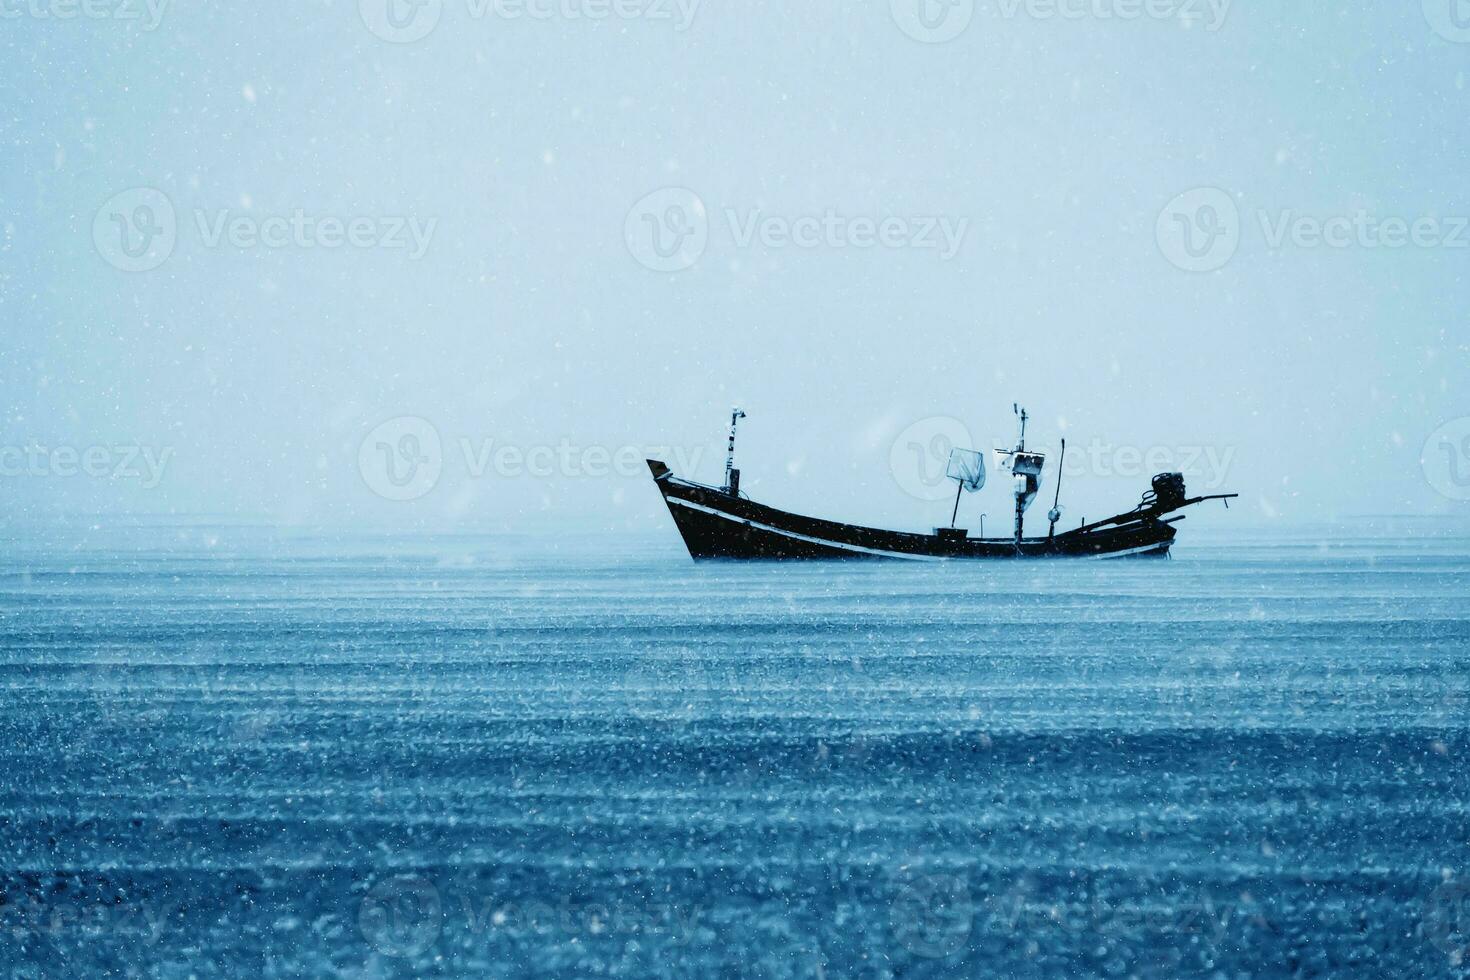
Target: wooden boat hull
[(717, 525)]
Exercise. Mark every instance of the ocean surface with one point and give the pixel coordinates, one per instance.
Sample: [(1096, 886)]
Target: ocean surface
[(233, 752)]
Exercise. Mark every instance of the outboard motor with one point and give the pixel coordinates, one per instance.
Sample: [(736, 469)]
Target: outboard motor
[(1168, 492)]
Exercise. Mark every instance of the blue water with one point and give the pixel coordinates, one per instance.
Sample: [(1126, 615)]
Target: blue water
[(230, 752)]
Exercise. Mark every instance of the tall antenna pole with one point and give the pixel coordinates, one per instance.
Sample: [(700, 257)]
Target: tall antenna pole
[(1056, 510), (735, 416), (1020, 497)]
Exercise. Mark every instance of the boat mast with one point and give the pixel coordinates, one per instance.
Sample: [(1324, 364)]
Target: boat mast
[(730, 487), (1020, 447)]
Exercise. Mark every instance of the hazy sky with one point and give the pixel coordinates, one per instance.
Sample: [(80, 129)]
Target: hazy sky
[(245, 249)]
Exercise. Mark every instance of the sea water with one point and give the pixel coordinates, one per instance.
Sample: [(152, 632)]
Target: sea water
[(234, 752)]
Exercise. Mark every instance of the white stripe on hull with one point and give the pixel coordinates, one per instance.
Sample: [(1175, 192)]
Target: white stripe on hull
[(836, 545), (1158, 546)]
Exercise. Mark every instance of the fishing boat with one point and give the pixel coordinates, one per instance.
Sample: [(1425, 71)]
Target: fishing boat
[(723, 523)]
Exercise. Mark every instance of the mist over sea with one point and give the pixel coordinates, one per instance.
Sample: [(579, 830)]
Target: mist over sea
[(237, 752)]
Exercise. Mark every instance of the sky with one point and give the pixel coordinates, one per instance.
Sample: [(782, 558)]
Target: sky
[(464, 263)]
